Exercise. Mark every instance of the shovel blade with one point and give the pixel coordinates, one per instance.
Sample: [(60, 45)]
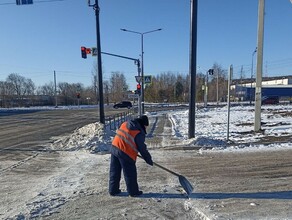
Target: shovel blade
[(186, 185)]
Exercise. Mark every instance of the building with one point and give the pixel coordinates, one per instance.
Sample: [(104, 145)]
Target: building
[(244, 90)]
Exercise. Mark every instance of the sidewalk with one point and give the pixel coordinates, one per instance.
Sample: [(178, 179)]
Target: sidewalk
[(251, 185)]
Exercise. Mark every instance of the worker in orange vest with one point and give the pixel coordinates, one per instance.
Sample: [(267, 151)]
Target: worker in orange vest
[(128, 142)]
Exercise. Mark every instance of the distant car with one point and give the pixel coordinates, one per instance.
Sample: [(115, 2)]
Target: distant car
[(270, 100), (123, 104)]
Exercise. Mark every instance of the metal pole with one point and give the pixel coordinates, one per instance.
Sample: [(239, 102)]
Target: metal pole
[(258, 88), (193, 67), (206, 90), (142, 60), (251, 74), (139, 97), (217, 86), (137, 62), (228, 99), (55, 82), (99, 68), (142, 74)]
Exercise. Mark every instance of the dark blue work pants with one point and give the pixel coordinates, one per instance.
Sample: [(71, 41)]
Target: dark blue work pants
[(130, 174)]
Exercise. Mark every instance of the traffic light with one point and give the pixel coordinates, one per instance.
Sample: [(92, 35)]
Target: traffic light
[(83, 52), (88, 51), (78, 95), (138, 90), (211, 71)]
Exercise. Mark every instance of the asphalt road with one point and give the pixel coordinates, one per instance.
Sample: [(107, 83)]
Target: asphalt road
[(25, 132), (30, 129)]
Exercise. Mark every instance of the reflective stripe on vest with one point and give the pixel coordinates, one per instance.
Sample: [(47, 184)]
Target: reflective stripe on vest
[(125, 141)]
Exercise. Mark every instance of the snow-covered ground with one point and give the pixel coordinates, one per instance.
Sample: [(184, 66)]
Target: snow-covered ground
[(210, 129), (86, 146)]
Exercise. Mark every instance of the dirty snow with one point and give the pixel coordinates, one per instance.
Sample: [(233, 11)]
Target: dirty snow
[(86, 145)]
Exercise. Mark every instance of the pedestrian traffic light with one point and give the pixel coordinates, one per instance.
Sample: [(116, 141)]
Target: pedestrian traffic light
[(83, 52), (138, 90)]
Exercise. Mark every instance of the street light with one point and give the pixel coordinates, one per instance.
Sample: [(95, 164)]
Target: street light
[(142, 59), (251, 74)]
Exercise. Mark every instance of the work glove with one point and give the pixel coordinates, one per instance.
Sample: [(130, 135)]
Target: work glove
[(149, 161)]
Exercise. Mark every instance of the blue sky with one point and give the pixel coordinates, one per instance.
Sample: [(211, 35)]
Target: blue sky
[(37, 39)]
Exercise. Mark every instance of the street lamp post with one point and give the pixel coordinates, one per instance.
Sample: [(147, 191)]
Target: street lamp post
[(142, 60), (251, 74)]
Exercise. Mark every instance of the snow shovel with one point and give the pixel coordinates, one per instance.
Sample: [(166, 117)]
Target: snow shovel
[(186, 185)]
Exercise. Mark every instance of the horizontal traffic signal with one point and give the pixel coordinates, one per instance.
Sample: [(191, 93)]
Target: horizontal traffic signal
[(85, 51)]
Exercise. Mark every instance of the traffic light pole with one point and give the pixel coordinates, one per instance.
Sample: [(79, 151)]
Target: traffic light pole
[(137, 62), (99, 69), (193, 68)]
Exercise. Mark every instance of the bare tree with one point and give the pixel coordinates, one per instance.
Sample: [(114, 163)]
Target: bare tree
[(47, 89), (106, 91), (68, 92), (21, 85), (118, 86)]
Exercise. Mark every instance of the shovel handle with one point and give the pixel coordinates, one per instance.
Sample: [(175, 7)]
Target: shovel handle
[(164, 168)]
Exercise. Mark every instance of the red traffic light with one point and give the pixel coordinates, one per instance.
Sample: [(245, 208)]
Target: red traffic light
[(138, 91), (83, 52), (88, 51)]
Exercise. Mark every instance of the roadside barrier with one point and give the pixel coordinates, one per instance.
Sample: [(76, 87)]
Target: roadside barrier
[(113, 122)]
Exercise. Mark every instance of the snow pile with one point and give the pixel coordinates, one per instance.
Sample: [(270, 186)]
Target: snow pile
[(92, 137)]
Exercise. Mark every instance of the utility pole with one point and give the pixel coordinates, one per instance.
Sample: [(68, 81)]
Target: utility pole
[(55, 82), (258, 88), (206, 90), (193, 68), (217, 86), (230, 75), (99, 68)]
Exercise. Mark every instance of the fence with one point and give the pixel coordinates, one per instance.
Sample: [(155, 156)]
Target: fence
[(113, 122)]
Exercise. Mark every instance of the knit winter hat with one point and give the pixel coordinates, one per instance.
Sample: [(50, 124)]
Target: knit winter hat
[(144, 120)]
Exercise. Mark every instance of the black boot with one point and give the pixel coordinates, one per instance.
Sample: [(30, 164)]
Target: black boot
[(136, 194), (115, 193)]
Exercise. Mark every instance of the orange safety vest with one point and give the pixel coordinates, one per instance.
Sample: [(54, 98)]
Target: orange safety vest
[(125, 141)]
